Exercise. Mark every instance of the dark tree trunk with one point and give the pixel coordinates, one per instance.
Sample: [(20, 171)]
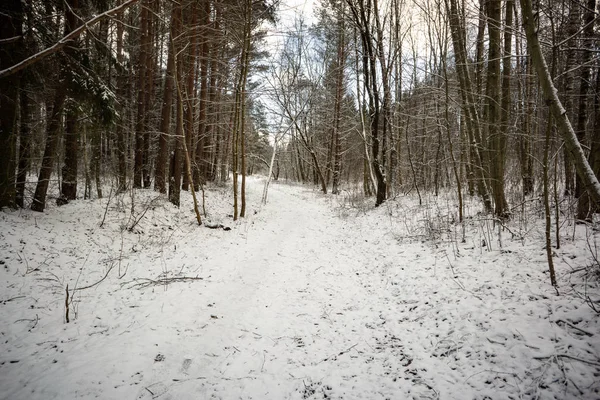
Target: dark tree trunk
[(583, 206), (55, 124), (177, 155), (11, 21), (202, 164), (120, 134), (52, 133), (372, 83), (569, 80), (149, 94), (68, 189), (160, 169), (142, 88), (189, 90), (496, 131), (24, 148)]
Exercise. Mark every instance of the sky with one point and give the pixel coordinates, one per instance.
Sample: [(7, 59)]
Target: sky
[(290, 7)]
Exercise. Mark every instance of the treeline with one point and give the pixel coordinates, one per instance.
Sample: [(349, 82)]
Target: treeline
[(395, 96)]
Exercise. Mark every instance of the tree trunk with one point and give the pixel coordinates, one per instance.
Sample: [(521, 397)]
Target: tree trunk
[(583, 206), (55, 124), (68, 190), (565, 128), (160, 169), (468, 101), (203, 162), (141, 96), (497, 116), (120, 134), (337, 112), (371, 83), (190, 89), (150, 71), (176, 155), (569, 91), (24, 148), (11, 20)]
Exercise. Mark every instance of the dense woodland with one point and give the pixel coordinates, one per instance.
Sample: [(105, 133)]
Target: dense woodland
[(390, 96)]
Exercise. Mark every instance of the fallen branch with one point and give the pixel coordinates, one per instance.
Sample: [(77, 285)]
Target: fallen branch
[(217, 226), (147, 282), (558, 322), (148, 205), (563, 355), (97, 283), (188, 379), (341, 352), (11, 299)]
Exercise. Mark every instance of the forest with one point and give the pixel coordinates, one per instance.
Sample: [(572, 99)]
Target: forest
[(344, 136), (493, 99)]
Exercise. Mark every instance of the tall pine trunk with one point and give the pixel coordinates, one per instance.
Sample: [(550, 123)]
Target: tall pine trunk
[(55, 125), (160, 170), (11, 20)]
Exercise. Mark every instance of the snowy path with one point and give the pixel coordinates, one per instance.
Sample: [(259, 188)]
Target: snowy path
[(292, 312), (301, 300)]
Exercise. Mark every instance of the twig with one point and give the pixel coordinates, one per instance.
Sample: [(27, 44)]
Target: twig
[(146, 282), (150, 203), (574, 327), (188, 379), (341, 352), (67, 304), (37, 319), (100, 281), (597, 364), (11, 299), (106, 208), (459, 283)]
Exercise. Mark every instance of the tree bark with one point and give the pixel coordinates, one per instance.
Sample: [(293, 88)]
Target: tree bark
[(11, 21), (55, 124), (24, 148), (160, 170), (176, 156), (496, 114), (202, 165), (583, 206), (120, 133), (468, 102), (68, 189), (142, 88)]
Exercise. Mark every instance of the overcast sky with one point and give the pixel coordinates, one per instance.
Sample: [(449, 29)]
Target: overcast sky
[(289, 7)]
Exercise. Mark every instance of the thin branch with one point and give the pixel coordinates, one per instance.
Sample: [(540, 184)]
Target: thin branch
[(64, 41), (97, 283), (594, 363)]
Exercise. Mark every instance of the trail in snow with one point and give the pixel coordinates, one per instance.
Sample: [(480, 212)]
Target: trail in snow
[(295, 302), (292, 317)]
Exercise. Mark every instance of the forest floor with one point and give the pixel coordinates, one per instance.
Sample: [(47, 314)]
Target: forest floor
[(309, 297)]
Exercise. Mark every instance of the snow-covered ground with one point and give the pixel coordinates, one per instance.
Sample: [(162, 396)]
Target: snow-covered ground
[(309, 297)]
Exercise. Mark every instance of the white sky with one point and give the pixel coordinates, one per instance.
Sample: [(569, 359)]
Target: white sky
[(290, 7)]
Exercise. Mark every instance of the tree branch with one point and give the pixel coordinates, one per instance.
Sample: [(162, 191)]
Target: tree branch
[(64, 41)]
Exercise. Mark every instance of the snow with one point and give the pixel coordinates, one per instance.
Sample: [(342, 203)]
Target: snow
[(309, 297)]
